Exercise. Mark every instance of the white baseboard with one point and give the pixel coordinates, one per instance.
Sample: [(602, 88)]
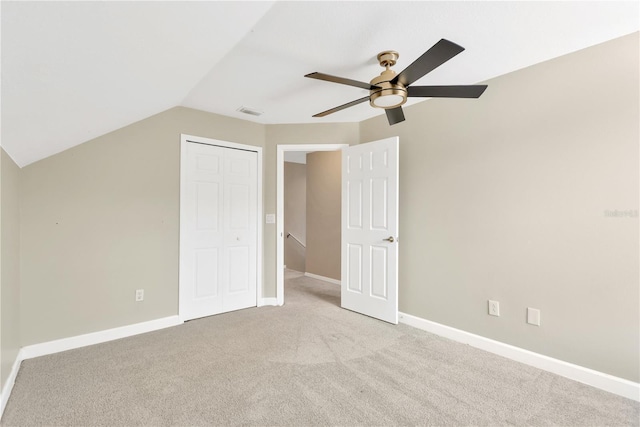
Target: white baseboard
[(324, 279), (8, 385), (64, 344), (606, 382), (268, 301)]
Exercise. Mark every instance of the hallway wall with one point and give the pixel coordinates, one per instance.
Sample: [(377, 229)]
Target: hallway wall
[(295, 215), (324, 189)]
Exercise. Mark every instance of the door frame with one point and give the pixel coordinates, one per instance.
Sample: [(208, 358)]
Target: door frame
[(281, 149), (186, 139)]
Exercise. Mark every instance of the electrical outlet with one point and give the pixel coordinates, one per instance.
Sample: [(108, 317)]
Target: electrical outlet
[(494, 308), (533, 316), (139, 295)]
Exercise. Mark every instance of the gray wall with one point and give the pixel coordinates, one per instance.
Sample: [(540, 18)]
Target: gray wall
[(504, 198), (295, 215), (102, 219), (9, 265), (324, 189)]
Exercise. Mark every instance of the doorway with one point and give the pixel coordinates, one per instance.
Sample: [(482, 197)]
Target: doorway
[(282, 150)]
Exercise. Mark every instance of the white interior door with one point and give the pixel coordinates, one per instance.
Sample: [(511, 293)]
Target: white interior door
[(370, 229), (218, 235)]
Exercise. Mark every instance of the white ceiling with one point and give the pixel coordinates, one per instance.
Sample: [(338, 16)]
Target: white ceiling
[(72, 71)]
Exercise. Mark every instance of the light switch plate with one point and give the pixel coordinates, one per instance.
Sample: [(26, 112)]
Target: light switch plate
[(271, 219), (533, 316)]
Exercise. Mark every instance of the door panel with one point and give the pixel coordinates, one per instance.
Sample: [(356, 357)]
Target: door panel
[(379, 279), (240, 229), (354, 268), (207, 205), (379, 204), (219, 230), (370, 229), (206, 269), (354, 207), (238, 271)]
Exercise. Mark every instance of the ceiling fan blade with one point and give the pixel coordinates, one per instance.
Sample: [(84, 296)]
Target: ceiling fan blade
[(342, 107), (395, 115), (341, 80), (446, 91), (439, 53)]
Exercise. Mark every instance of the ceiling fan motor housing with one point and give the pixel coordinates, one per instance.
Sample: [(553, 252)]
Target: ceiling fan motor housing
[(386, 94)]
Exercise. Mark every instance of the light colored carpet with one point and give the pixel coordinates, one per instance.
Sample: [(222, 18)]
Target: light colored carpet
[(306, 363)]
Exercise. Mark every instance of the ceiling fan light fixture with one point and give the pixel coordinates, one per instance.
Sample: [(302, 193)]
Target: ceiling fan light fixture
[(388, 98)]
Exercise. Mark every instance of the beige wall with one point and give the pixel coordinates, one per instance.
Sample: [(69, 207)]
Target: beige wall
[(295, 214), (324, 213), (9, 265), (504, 198), (102, 219)]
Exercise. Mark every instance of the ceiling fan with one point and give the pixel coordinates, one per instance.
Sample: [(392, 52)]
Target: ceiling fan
[(390, 90)]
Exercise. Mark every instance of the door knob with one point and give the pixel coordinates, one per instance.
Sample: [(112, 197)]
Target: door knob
[(390, 239)]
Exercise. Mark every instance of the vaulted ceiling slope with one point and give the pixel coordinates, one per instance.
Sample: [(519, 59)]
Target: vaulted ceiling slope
[(72, 71)]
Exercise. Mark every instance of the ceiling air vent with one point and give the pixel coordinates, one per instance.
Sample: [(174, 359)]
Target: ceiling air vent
[(250, 111)]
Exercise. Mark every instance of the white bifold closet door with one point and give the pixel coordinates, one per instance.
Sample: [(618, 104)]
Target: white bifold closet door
[(218, 231)]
